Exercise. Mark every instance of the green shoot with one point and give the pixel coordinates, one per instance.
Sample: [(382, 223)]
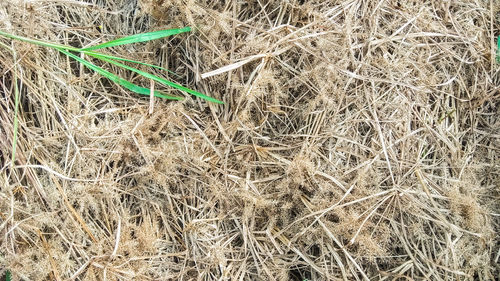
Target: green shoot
[(498, 49), (16, 106), (38, 42), (129, 60), (16, 113), (142, 37), (156, 78), (118, 80)]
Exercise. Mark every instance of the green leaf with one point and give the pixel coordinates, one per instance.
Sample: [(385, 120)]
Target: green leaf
[(113, 59), (16, 118), (128, 60), (157, 79), (126, 84), (498, 49), (141, 37), (38, 42), (8, 276)]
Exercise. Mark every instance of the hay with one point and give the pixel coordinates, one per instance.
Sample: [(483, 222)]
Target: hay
[(359, 140)]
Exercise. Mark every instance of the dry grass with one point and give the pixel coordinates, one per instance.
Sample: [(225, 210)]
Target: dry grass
[(359, 140)]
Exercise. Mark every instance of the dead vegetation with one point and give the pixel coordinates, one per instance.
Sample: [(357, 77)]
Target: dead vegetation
[(359, 141)]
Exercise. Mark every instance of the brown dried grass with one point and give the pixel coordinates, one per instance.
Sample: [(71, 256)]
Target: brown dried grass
[(359, 140)]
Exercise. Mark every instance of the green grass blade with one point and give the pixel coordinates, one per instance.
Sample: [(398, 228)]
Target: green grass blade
[(8, 276), (16, 113), (120, 81), (128, 60), (38, 42), (141, 37), (157, 79), (114, 60), (498, 49), (6, 47), (52, 45)]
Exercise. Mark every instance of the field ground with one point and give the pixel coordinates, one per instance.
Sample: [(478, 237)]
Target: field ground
[(359, 140)]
